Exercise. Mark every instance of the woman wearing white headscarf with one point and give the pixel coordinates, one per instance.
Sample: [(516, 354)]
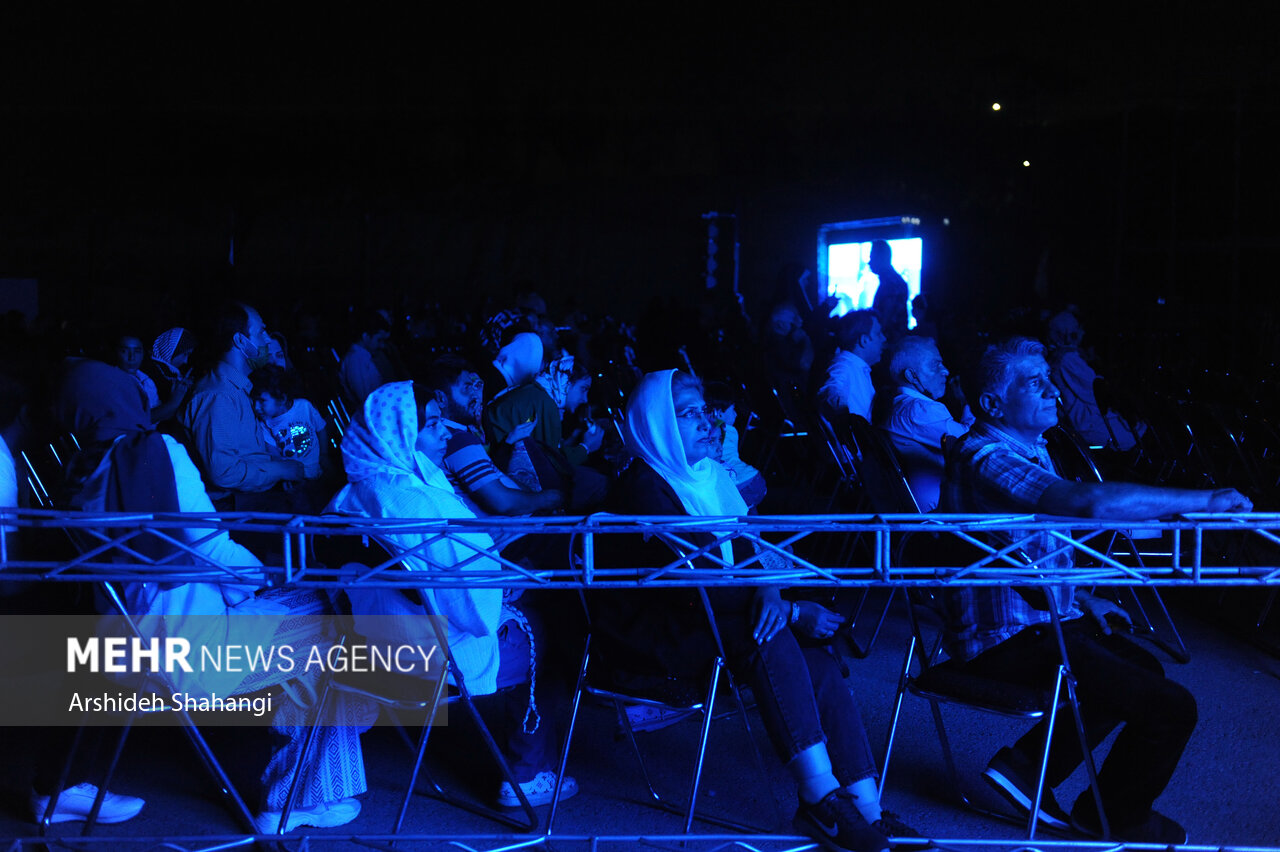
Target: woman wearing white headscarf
[(804, 703), (392, 459)]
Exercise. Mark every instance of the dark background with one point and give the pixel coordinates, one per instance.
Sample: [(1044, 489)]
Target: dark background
[(364, 157)]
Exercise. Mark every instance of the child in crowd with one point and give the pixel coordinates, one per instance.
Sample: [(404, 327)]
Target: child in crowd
[(722, 409), (290, 423)]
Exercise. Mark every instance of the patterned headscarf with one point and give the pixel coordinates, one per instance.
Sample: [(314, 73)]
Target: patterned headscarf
[(385, 441), (167, 345), (555, 380)]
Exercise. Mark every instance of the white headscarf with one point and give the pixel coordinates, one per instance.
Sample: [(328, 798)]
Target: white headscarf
[(521, 359), (651, 433)]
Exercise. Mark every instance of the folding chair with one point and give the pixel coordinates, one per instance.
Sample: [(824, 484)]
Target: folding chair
[(115, 601), (403, 693), (944, 682), (886, 491), (700, 701), (1073, 461)]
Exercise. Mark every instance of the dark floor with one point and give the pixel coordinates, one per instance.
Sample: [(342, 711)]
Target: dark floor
[(1226, 791)]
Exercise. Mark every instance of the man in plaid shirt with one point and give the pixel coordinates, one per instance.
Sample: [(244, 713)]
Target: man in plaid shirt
[(1002, 466)]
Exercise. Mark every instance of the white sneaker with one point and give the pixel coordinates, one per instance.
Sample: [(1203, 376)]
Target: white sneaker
[(75, 803), (538, 791), (326, 815)]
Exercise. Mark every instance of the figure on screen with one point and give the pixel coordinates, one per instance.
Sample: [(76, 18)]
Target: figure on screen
[(890, 302)]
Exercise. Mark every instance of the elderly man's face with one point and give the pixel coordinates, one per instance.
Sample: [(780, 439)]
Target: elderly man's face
[(1030, 404), (931, 374)]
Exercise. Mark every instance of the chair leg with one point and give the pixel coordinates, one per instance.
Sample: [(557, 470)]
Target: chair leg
[(1044, 760), (708, 712), (859, 651), (1090, 768), (92, 819), (421, 750), (635, 747), (46, 818), (897, 712), (568, 734), (215, 769)]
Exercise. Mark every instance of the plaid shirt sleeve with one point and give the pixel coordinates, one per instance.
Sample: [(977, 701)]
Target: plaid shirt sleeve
[(1005, 479)]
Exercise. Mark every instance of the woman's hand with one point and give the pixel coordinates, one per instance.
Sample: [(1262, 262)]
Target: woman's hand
[(770, 614), (816, 621)]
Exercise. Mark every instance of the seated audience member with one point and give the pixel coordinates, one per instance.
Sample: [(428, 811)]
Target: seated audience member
[(723, 410), (806, 707), (144, 471), (922, 313), (516, 364), (43, 751), (392, 458), (223, 431), (788, 349), (359, 373), (290, 422), (458, 391), (848, 387), (917, 423), (128, 355), (1002, 467), (543, 403), (1074, 378)]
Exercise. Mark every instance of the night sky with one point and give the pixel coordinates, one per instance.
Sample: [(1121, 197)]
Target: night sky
[(440, 155)]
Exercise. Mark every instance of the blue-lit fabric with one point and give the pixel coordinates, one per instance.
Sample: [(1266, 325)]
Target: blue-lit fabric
[(990, 471), (389, 478)]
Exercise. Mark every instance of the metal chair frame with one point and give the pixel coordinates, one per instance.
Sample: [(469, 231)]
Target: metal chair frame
[(705, 708), (1031, 704)]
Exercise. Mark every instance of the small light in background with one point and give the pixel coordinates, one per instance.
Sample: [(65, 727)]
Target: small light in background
[(995, 107), (946, 222), (1026, 162)]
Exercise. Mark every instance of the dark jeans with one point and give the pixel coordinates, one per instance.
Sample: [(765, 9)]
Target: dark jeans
[(527, 753), (1117, 682), (800, 693)]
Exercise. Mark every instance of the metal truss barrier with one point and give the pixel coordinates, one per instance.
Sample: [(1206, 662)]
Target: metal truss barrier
[(1196, 550), (570, 843), (792, 550)]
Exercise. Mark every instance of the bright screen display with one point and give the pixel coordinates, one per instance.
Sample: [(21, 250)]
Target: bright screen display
[(854, 285)]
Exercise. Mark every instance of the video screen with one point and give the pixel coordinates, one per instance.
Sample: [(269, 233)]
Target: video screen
[(854, 285)]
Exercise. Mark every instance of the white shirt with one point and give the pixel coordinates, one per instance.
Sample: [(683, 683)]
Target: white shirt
[(917, 424), (848, 386)]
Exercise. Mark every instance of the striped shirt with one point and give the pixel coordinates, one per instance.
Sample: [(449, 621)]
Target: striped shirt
[(990, 471)]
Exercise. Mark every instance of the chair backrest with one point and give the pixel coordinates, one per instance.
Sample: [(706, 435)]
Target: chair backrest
[(1070, 456), (879, 469)]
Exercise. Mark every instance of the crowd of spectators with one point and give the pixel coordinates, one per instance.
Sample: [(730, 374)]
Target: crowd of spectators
[(426, 413)]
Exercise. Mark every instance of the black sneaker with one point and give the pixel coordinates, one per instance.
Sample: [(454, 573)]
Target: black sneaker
[(836, 824), (903, 837), (1155, 828), (1014, 778)]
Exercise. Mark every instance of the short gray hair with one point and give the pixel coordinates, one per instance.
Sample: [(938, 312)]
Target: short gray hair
[(995, 369), (908, 352)]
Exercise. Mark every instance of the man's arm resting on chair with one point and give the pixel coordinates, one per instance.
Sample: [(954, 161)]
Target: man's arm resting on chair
[(1128, 501)]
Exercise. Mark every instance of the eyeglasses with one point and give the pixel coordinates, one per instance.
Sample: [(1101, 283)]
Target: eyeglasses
[(702, 414)]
